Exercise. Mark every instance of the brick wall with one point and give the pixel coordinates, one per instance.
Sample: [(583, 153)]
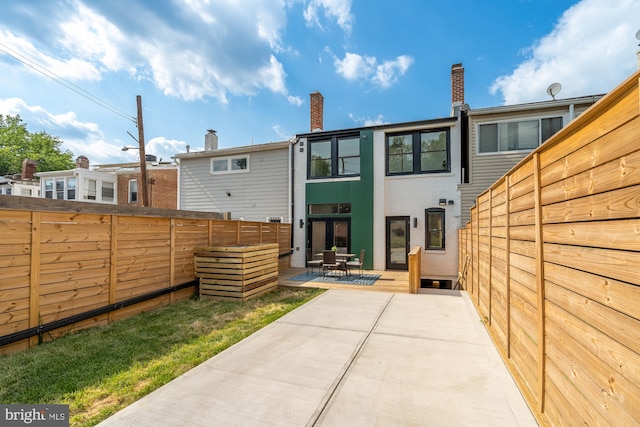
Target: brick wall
[(163, 188)]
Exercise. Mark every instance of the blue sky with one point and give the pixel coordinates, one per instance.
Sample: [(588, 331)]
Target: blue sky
[(246, 67)]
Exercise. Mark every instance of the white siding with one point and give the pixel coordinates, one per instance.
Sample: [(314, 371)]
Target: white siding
[(261, 192), (410, 195)]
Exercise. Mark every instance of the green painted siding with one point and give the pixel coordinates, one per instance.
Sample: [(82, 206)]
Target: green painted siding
[(359, 193)]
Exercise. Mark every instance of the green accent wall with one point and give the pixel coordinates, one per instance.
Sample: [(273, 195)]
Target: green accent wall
[(358, 193)]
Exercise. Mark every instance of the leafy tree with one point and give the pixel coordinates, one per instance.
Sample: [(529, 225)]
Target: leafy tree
[(18, 144)]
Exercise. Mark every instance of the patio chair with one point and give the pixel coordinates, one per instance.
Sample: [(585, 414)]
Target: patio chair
[(312, 263), (329, 262), (357, 262)]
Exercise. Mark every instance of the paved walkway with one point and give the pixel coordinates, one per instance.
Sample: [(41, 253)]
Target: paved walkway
[(349, 358)]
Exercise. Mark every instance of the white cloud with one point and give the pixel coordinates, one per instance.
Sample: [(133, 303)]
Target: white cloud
[(590, 51), (338, 10), (79, 137), (282, 133), (357, 67), (387, 73), (220, 49), (164, 148), (295, 100), (39, 62), (93, 38), (367, 121)]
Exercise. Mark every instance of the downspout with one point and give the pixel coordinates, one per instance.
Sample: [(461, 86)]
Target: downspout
[(294, 141)]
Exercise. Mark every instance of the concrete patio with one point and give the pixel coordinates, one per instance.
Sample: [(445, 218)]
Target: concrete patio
[(349, 358)]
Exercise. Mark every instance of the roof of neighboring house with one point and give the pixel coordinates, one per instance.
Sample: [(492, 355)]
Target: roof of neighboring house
[(438, 121), (224, 152), (591, 99)]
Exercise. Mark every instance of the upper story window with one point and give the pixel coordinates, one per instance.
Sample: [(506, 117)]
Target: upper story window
[(90, 189), (425, 151), (71, 188), (516, 135), (58, 188), (133, 190), (334, 157), (108, 191), (230, 164)]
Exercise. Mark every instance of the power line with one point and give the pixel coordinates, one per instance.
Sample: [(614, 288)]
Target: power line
[(64, 82)]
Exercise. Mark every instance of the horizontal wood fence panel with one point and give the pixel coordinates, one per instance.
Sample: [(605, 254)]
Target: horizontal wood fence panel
[(554, 256), (615, 294), (616, 234), (609, 147), (61, 259), (616, 174)]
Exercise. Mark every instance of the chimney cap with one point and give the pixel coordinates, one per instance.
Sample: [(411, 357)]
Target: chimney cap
[(211, 131)]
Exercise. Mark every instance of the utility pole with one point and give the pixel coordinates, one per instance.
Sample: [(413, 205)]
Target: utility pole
[(143, 157)]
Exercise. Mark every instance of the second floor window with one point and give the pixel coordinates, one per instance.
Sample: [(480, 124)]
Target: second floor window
[(133, 191), (230, 164), (424, 151), (516, 135), (334, 157)]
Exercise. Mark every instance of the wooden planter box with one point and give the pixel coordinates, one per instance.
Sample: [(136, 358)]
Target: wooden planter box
[(236, 272)]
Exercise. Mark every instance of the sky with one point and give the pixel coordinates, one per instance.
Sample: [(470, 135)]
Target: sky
[(245, 68)]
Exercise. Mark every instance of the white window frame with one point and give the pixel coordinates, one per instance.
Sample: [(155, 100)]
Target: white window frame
[(514, 120), (229, 161), (129, 192)]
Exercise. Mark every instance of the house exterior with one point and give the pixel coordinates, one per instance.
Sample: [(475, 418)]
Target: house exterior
[(384, 189), (499, 137), (26, 184), (113, 183), (251, 182), (79, 184), (162, 178)]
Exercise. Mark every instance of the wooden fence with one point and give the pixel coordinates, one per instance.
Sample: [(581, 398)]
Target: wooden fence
[(61, 259), (554, 267)]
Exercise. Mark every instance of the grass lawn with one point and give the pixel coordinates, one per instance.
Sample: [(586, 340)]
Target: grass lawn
[(102, 370)]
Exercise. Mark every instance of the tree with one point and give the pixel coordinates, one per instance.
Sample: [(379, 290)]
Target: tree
[(18, 144)]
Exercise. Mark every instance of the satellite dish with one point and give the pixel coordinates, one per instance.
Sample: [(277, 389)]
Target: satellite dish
[(553, 90), (638, 35)]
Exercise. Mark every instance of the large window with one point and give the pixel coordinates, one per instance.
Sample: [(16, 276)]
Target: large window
[(434, 221), (60, 188), (516, 135), (230, 165), (334, 157), (424, 151)]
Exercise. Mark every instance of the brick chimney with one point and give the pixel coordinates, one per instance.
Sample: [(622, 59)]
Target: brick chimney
[(457, 87), (211, 140), (28, 169), (317, 111), (82, 162)]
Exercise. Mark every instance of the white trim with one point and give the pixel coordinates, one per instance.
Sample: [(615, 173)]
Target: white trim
[(229, 161)]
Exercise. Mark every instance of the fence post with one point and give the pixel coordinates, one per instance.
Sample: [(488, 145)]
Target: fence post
[(539, 278), (34, 279), (113, 269), (507, 183), (172, 256)]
